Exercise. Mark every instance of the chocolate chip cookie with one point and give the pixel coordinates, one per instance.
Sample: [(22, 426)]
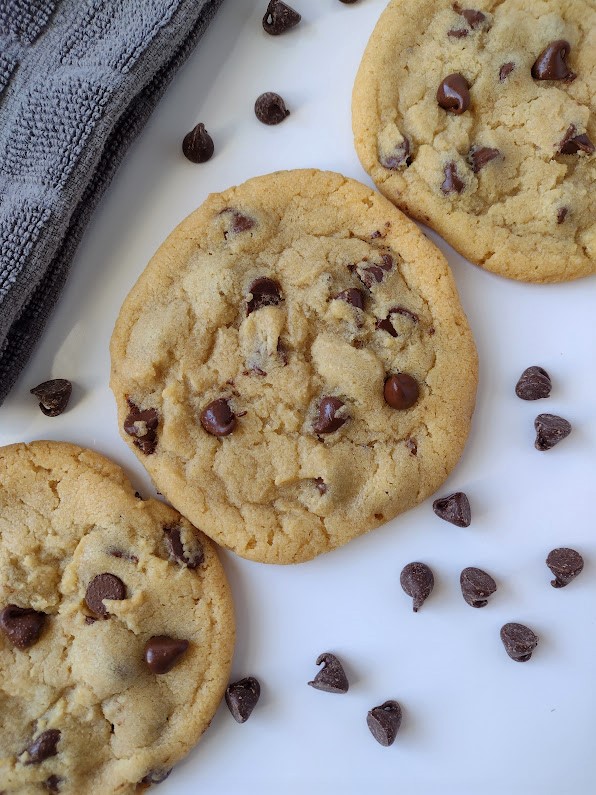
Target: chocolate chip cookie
[(478, 120), (293, 368), (116, 627)]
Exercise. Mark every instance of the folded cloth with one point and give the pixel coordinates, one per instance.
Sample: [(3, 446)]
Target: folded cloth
[(78, 80)]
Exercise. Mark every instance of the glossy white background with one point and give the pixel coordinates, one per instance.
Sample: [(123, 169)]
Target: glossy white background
[(474, 720)]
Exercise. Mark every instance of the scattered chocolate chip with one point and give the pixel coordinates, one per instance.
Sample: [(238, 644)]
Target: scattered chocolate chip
[(473, 18), (457, 33), (162, 653), (551, 64), (572, 143), (217, 418), (398, 157), (263, 292), (519, 641), (239, 222), (90, 620), (21, 625), (328, 420), (452, 182), (348, 2), (53, 396), (384, 722), (455, 509), (412, 446), (534, 383), (197, 145), (242, 697), (476, 586), (279, 17), (52, 784), (401, 391), (191, 557), (118, 553), (506, 70), (479, 156), (417, 580), (550, 430), (156, 776), (43, 747), (103, 586), (401, 310), (270, 108), (321, 485), (332, 677), (565, 564), (142, 425), (562, 214), (386, 325), (454, 93), (353, 296)]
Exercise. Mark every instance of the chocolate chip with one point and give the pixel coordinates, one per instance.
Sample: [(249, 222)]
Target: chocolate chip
[(162, 653), (401, 310), (353, 296), (506, 70), (348, 2), (142, 425), (197, 145), (476, 586), (387, 325), (457, 33), (412, 446), (191, 556), (551, 64), (572, 143), (384, 722), (455, 509), (550, 430), (270, 108), (321, 485), (53, 396), (21, 625), (263, 292), (238, 221), (452, 182), (473, 18), (156, 776), (479, 156), (398, 157), (328, 420), (519, 641), (417, 581), (562, 214), (401, 391), (118, 553), (279, 17), (242, 697), (454, 93), (52, 784), (43, 747), (332, 677), (217, 418), (534, 383), (103, 586), (565, 564)]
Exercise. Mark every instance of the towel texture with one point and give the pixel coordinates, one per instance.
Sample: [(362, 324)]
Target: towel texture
[(78, 80)]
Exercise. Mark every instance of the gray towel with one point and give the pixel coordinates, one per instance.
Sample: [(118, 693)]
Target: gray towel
[(78, 80)]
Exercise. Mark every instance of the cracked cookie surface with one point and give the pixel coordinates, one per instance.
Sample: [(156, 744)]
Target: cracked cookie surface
[(97, 587), (503, 165), (299, 350)]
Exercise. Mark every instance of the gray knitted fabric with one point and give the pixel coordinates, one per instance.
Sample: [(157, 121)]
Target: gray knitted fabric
[(78, 80)]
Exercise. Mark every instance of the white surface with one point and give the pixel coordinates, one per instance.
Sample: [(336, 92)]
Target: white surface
[(474, 720)]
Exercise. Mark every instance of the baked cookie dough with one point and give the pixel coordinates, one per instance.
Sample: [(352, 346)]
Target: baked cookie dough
[(101, 696), (477, 118), (293, 368)]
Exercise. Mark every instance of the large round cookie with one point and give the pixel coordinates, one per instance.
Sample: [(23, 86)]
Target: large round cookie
[(249, 365), (86, 707), (509, 180)]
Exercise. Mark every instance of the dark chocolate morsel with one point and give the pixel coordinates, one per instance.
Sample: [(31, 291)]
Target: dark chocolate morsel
[(398, 157), (155, 776), (279, 17), (217, 418), (353, 296), (452, 182), (321, 486), (332, 677), (417, 581), (103, 586), (242, 697), (506, 70), (455, 509), (401, 391), (43, 747), (192, 556), (476, 586), (162, 653), (519, 641), (412, 446), (384, 722), (53, 396), (454, 93), (534, 383), (551, 64), (270, 108), (572, 143), (348, 2), (386, 325), (473, 18), (52, 784), (550, 430), (197, 145), (565, 565), (479, 156), (263, 292), (238, 221), (142, 426), (328, 420), (21, 625), (561, 214), (457, 33)]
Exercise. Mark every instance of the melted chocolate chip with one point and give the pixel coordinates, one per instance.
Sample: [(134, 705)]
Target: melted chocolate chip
[(328, 420), (550, 430), (452, 182), (22, 625), (457, 33), (197, 145), (270, 108), (398, 157), (52, 784), (155, 776), (479, 156), (332, 677), (279, 17), (386, 325), (118, 553), (417, 581), (412, 446), (43, 747), (561, 214), (217, 418), (572, 143), (506, 70), (384, 722), (142, 426), (103, 586), (191, 556), (455, 509), (401, 391), (242, 697), (565, 564), (473, 18), (238, 222), (162, 653), (534, 383), (551, 64), (519, 641), (353, 296), (263, 292), (454, 93), (53, 396), (476, 586), (321, 485)]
